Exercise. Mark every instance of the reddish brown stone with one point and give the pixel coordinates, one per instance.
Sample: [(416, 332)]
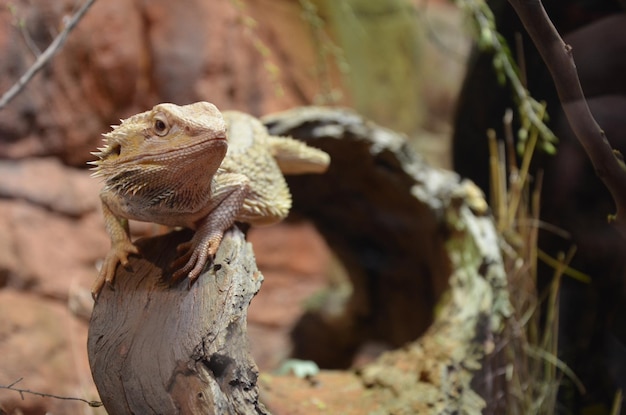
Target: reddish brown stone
[(53, 232), (124, 57), (44, 345)]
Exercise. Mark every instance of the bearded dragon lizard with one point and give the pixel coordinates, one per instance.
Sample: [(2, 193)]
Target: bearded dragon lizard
[(194, 167)]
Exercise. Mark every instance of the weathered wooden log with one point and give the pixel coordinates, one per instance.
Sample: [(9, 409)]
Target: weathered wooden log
[(389, 241), (413, 239), (156, 348)]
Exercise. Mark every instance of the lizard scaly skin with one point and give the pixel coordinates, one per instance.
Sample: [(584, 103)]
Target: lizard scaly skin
[(194, 167)]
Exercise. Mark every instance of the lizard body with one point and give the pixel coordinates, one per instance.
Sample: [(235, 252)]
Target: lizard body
[(194, 167)]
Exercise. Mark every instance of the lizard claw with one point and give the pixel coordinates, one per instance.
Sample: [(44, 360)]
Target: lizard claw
[(184, 248), (194, 258), (117, 255), (181, 264)]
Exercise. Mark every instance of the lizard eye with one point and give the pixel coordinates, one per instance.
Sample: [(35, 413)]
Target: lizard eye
[(160, 127)]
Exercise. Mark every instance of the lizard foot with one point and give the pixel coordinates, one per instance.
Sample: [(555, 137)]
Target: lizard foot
[(117, 255), (194, 257)]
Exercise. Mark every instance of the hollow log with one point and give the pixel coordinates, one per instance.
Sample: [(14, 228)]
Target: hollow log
[(422, 253)]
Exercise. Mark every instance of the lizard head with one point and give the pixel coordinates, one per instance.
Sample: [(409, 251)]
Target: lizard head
[(167, 139)]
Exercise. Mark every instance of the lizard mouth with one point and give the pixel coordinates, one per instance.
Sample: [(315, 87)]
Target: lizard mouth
[(184, 150)]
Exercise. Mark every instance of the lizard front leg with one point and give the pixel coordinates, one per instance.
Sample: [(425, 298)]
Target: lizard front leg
[(121, 247), (228, 195)]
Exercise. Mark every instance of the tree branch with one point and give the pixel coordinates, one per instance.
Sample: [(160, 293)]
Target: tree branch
[(11, 387), (43, 59), (557, 55)]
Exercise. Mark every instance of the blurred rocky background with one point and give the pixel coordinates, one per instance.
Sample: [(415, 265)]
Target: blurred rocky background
[(397, 62)]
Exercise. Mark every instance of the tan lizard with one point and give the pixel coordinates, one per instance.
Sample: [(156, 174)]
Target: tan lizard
[(174, 165)]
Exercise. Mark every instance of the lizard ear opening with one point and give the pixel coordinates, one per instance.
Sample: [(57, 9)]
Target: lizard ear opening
[(114, 150), (160, 126)]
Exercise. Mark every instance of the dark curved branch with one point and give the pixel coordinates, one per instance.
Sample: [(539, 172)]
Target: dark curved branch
[(557, 55)]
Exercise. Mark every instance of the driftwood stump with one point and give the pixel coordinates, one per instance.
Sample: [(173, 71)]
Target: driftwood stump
[(161, 349)]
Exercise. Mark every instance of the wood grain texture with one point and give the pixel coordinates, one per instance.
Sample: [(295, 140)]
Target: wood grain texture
[(156, 348)]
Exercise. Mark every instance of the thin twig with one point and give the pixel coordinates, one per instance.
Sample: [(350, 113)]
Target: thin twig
[(93, 404), (43, 59), (557, 55)]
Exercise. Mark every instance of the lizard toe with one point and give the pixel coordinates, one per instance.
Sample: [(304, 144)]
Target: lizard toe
[(190, 265), (181, 263), (122, 251), (184, 247), (96, 287)]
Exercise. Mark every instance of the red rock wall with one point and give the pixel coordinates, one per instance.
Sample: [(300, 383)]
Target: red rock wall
[(125, 56), (122, 58)]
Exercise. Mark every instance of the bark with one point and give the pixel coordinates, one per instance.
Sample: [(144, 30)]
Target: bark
[(161, 349)]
